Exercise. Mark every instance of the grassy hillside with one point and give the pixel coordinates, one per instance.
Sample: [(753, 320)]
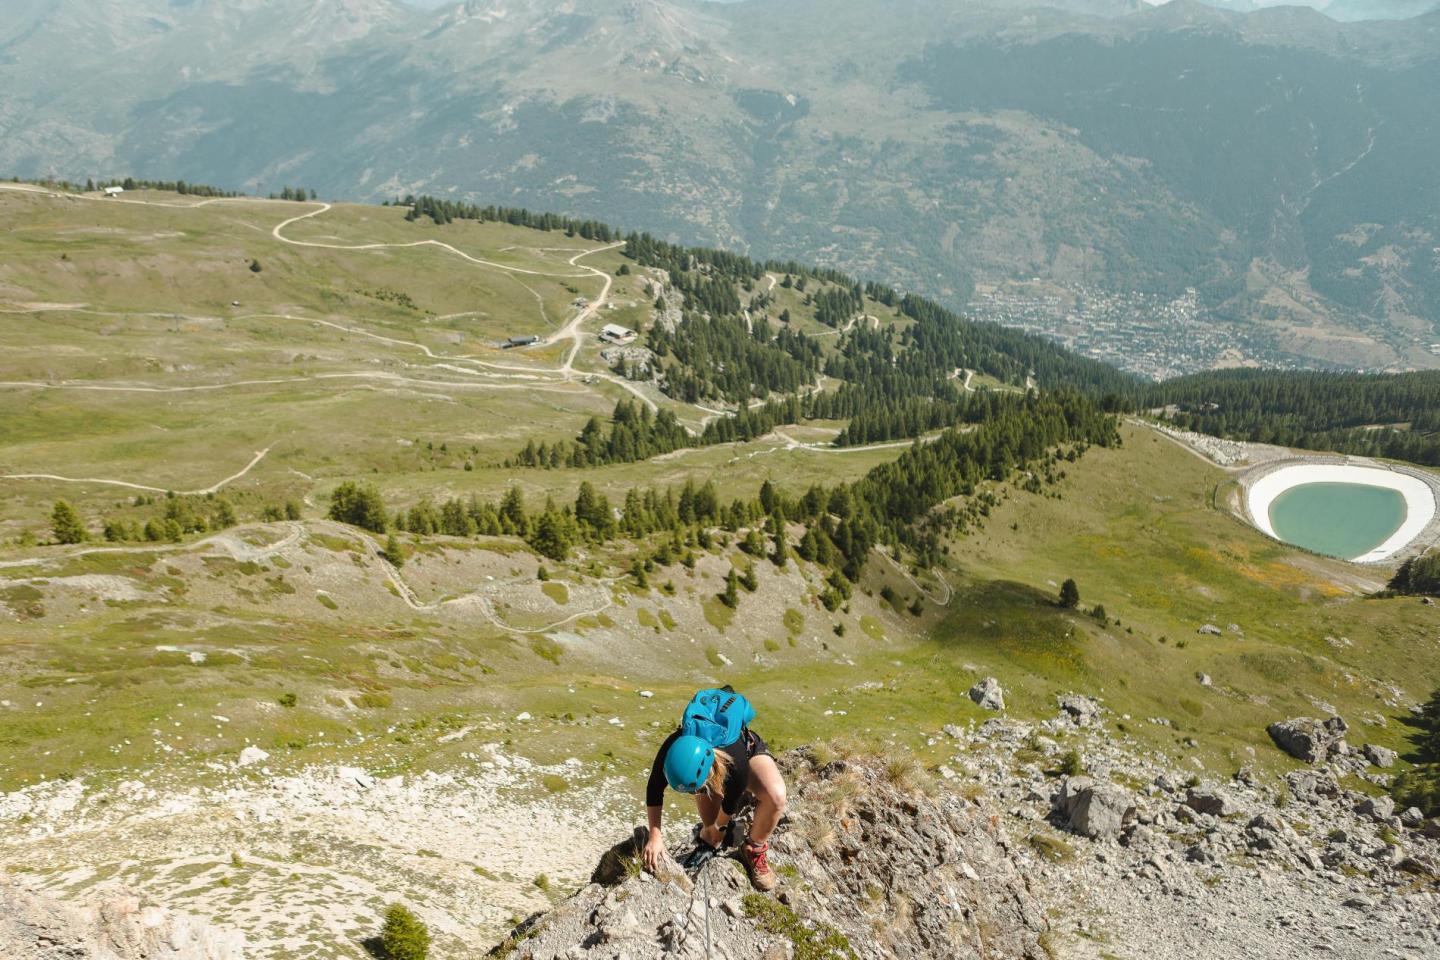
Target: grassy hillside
[(508, 698)]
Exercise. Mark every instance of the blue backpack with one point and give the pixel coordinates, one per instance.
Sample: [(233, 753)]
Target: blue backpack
[(717, 716)]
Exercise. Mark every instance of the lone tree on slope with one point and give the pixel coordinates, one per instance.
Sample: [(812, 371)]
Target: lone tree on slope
[(404, 935), (1069, 595), (66, 524), (394, 553)]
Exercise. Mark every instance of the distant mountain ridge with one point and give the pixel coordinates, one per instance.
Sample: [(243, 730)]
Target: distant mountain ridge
[(1278, 162)]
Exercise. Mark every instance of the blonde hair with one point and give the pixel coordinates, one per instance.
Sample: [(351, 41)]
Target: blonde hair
[(719, 773)]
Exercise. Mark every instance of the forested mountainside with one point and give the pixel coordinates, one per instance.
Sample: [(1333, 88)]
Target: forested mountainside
[(1386, 415), (1076, 168)]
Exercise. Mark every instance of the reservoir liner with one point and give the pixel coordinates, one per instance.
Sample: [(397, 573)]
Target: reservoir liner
[(1419, 494)]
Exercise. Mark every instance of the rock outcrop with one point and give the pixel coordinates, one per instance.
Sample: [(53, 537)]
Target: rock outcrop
[(989, 694), (865, 863), (1308, 739), (1082, 711), (116, 924)]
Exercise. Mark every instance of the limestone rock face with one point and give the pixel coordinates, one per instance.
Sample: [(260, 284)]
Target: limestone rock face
[(1308, 739), (116, 924), (944, 872), (988, 694)]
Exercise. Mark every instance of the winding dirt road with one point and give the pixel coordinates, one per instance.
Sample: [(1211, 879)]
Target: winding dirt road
[(525, 376)]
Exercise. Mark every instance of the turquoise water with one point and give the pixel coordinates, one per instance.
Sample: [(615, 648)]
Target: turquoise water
[(1345, 520)]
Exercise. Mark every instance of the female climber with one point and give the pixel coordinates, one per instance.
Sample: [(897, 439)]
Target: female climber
[(715, 756)]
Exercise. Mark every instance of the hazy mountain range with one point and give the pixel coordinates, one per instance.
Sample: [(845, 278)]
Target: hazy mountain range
[(1335, 9), (1278, 161)]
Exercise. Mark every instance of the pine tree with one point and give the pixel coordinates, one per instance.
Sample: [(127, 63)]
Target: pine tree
[(592, 512), (394, 552), (404, 936), (781, 554), (512, 513), (551, 537), (1069, 595), (66, 524), (731, 595), (359, 506), (224, 515), (455, 520)]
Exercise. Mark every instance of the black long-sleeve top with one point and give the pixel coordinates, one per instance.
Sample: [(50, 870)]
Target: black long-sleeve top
[(736, 783)]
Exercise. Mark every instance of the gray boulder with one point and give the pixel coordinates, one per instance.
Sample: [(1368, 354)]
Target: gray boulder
[(1412, 817), (1265, 823), (1095, 809), (1207, 799), (1308, 739), (1376, 808), (1209, 630), (1082, 711), (989, 694), (1312, 785), (1382, 757)]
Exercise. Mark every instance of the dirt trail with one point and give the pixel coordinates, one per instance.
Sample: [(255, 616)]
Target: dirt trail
[(213, 488), (326, 207), (792, 444), (229, 541)]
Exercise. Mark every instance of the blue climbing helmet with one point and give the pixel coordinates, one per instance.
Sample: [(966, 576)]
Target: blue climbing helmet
[(688, 763), (713, 719)]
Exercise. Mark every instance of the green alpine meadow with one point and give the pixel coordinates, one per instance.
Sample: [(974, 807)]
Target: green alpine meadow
[(771, 480)]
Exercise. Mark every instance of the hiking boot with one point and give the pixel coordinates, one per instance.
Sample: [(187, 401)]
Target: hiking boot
[(755, 856)]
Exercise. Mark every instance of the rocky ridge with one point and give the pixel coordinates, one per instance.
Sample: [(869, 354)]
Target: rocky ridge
[(1178, 864), (115, 924), (1125, 853), (1010, 858), (870, 866)]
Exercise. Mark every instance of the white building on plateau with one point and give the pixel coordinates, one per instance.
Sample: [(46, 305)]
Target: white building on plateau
[(614, 333), (114, 191)]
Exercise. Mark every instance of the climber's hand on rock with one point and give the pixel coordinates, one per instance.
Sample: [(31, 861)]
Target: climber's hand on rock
[(654, 851)]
